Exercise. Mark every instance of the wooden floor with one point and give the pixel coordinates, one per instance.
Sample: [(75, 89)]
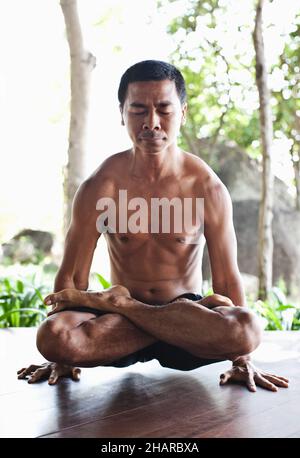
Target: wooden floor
[(146, 400)]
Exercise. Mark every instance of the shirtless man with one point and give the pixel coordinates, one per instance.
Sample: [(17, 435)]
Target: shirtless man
[(138, 318)]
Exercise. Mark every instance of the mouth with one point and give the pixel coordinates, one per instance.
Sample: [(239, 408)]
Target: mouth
[(152, 139)]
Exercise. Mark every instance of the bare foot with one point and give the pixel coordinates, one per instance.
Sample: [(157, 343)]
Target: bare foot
[(215, 300), (70, 297)]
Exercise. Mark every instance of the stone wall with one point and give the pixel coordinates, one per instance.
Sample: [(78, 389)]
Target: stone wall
[(242, 176)]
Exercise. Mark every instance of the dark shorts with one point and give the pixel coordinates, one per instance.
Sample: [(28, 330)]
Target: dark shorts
[(166, 354)]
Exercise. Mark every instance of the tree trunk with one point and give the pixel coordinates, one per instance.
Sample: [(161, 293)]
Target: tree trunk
[(82, 63), (296, 165), (265, 255), (295, 156)]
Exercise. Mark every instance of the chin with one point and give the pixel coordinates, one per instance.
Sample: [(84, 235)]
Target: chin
[(153, 148)]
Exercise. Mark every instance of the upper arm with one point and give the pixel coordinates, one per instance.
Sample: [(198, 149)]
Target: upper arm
[(81, 238), (220, 236)]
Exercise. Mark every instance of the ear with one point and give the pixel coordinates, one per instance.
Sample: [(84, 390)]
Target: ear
[(184, 111), (122, 119)]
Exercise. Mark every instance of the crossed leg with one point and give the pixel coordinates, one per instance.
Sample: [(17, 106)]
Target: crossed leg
[(87, 340)]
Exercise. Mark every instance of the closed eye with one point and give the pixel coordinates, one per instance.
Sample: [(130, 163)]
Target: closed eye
[(144, 112)]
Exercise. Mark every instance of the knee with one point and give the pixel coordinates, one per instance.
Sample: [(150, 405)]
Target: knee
[(53, 341), (247, 331)]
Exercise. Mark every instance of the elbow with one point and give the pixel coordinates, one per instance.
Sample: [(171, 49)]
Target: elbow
[(65, 280), (247, 331)]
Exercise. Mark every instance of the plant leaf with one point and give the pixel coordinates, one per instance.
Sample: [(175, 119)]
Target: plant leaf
[(103, 282)]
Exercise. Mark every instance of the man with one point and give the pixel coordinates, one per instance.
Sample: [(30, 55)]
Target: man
[(152, 311)]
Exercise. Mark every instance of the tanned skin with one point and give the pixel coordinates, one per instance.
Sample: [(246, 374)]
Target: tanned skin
[(149, 270)]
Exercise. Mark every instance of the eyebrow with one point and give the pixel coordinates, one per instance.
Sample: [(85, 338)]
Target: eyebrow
[(165, 103)]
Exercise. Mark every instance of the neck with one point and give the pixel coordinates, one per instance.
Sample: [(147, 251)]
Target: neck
[(154, 166)]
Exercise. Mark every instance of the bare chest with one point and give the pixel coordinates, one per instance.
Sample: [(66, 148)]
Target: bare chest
[(164, 215)]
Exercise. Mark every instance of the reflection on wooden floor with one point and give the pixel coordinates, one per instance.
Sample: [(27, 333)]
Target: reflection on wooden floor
[(147, 400)]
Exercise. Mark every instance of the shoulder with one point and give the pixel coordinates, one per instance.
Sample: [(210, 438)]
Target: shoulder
[(207, 185), (206, 181), (103, 182), (105, 178), (110, 168), (113, 164)]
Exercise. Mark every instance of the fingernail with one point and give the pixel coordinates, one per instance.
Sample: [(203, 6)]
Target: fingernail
[(48, 302)]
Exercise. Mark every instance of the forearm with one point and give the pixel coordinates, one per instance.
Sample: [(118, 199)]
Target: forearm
[(233, 289), (64, 280), (61, 282)]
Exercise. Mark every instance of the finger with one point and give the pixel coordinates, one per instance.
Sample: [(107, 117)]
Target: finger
[(261, 381), (267, 374), (277, 381), (21, 370), (22, 375), (39, 374), (281, 378), (76, 374), (251, 383), (53, 377), (28, 371), (225, 377)]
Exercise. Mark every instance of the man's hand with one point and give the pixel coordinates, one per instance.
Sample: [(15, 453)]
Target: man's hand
[(244, 371), (50, 371)]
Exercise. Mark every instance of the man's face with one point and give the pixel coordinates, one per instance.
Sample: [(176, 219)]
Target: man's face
[(153, 114)]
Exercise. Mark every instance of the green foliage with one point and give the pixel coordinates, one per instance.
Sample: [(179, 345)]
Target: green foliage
[(277, 313), (287, 97), (221, 89), (105, 284), (21, 303), (220, 83)]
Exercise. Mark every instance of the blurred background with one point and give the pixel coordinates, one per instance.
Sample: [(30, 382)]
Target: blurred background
[(211, 42)]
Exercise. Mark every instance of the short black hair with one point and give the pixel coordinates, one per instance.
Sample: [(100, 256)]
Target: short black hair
[(151, 70)]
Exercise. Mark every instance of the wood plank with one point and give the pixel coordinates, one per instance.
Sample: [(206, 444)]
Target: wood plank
[(146, 400)]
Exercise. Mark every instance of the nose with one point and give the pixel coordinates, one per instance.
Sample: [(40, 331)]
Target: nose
[(151, 121)]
